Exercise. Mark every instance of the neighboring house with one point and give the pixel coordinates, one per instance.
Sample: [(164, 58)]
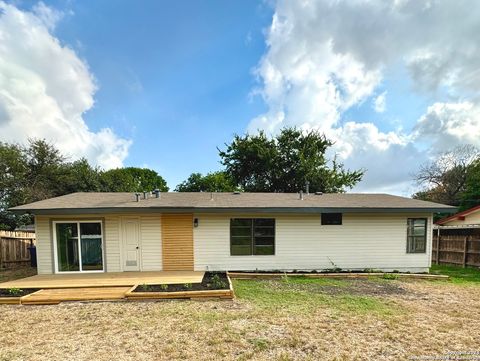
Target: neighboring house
[(469, 217), (112, 232), (28, 228), (466, 223)]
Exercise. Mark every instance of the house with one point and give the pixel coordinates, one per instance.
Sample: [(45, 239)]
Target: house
[(114, 232), (465, 223), (468, 217)]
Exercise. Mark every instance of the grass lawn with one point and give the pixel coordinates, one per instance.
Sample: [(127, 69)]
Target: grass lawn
[(290, 319), (458, 275)]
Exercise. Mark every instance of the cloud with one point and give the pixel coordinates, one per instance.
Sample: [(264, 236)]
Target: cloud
[(326, 57), (45, 89), (446, 125), (380, 103)]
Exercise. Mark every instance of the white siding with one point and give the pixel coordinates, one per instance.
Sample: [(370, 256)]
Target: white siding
[(44, 245), (363, 241), (113, 250), (151, 244)]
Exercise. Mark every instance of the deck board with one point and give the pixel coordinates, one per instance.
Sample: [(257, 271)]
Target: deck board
[(109, 279), (57, 295)]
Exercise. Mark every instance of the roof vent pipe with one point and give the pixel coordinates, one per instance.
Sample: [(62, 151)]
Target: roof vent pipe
[(307, 187), (137, 196), (157, 193), (145, 195), (211, 196), (301, 195)]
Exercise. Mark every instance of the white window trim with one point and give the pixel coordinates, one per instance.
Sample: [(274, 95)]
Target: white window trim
[(55, 252)]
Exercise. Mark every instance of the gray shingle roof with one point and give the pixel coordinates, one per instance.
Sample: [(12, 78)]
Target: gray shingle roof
[(275, 202)]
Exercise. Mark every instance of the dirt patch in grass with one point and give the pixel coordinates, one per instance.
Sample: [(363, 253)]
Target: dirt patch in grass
[(210, 281), (361, 286)]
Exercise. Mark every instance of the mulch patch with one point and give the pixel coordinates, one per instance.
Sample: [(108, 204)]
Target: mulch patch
[(367, 288), (211, 281), (358, 287), (14, 292)]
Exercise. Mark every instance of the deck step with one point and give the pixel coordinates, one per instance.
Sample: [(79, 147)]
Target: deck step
[(57, 295)]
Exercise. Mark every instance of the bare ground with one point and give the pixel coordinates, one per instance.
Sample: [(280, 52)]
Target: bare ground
[(13, 274), (414, 318)]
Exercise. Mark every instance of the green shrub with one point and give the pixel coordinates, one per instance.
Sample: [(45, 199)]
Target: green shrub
[(389, 276), (163, 287), (14, 291), (145, 287), (217, 282)]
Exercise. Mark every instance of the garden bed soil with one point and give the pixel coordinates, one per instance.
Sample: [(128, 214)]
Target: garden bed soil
[(211, 281), (8, 292), (323, 271)]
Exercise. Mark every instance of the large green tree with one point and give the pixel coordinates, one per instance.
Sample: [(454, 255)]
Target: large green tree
[(211, 182), (38, 171), (471, 196), (132, 179), (444, 179), (28, 174), (13, 171), (285, 163)]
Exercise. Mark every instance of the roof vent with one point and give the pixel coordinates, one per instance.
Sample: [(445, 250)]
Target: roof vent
[(137, 196), (318, 193), (237, 193), (211, 196), (145, 195), (156, 191), (301, 195)]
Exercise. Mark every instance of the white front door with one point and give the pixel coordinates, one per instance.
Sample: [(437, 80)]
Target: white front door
[(131, 244)]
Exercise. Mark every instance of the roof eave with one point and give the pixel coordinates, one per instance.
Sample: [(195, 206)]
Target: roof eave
[(300, 210)]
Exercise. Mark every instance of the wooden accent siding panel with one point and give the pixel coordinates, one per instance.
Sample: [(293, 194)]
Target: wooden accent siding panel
[(177, 242)]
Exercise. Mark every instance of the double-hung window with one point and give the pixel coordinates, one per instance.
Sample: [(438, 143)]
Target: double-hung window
[(252, 236), (416, 235)]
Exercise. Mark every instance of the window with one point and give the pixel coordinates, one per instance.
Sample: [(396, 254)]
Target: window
[(331, 219), (252, 236), (78, 246), (416, 235)]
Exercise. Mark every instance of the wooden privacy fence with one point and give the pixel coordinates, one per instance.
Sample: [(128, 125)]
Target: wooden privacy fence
[(457, 250), (14, 248)]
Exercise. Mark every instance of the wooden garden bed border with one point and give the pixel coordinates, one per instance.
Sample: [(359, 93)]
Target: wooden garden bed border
[(253, 275), (15, 300), (224, 294)]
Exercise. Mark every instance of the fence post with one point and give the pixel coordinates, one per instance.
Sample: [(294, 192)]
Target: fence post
[(438, 247), (465, 253)]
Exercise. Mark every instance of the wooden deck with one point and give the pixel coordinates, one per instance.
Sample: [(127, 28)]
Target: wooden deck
[(56, 295), (109, 279), (57, 288)]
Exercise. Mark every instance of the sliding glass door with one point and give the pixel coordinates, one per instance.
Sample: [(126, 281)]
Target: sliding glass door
[(78, 246)]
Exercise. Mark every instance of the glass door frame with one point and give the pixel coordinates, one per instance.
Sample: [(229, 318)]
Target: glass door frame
[(55, 245)]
